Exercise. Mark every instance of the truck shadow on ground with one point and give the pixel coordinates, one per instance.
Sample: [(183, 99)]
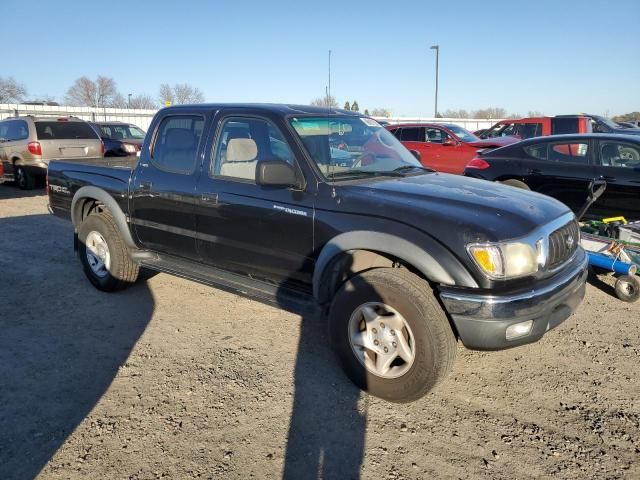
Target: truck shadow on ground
[(327, 429), (11, 190), (58, 355)]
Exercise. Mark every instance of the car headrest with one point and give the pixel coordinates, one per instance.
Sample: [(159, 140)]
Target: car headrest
[(241, 150), (180, 138)]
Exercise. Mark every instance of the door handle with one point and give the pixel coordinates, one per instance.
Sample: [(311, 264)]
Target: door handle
[(535, 171), (210, 197), (146, 185), (607, 178)]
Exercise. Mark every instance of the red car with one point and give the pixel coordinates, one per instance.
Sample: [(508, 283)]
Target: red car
[(524, 128), (444, 147)]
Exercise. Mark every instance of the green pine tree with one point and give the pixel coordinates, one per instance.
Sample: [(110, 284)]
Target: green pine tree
[(355, 107), (347, 106)]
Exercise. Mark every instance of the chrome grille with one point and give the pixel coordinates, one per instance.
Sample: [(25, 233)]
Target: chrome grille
[(563, 243)]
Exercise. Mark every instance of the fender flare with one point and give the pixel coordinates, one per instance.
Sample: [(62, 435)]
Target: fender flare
[(400, 248), (109, 202)]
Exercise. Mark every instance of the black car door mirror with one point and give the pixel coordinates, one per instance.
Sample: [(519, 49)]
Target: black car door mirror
[(416, 154), (276, 173)]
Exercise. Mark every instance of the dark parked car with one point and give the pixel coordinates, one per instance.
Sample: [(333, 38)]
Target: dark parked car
[(120, 139), (600, 124), (402, 260), (562, 166)]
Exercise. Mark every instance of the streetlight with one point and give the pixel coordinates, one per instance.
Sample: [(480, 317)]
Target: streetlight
[(437, 49), (129, 104)]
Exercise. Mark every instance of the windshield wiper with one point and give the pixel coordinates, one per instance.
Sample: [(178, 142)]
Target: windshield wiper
[(406, 168), (368, 173)]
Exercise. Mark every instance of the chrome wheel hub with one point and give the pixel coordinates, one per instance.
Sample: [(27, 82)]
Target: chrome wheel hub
[(98, 255), (381, 340)]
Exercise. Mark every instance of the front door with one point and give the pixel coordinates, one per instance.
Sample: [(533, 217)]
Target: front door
[(264, 232), (618, 163), (164, 187)]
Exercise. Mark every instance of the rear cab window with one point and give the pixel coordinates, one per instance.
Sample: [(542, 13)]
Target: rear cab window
[(561, 126), (64, 130)]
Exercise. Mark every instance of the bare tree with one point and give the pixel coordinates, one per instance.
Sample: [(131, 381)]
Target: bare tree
[(626, 117), (144, 102), (11, 91), (180, 93), (535, 113), (99, 93), (117, 101), (381, 112), (326, 101), (491, 112), (455, 114)]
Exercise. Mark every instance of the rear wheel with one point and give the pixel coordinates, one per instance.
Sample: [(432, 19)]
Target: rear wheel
[(391, 335), (628, 288), (104, 256), (512, 182), (24, 179)]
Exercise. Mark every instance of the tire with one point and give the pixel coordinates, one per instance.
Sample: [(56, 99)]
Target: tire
[(98, 234), (512, 182), (24, 179), (629, 154), (628, 288), (395, 294)]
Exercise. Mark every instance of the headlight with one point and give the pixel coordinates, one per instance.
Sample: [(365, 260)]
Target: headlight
[(128, 147), (506, 260)]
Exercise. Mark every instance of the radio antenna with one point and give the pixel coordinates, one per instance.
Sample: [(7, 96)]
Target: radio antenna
[(329, 88)]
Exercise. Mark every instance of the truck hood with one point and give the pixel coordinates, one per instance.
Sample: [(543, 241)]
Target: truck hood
[(455, 209)]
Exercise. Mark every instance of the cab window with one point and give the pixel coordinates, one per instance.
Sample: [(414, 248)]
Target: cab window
[(176, 144), (412, 134), (243, 142)]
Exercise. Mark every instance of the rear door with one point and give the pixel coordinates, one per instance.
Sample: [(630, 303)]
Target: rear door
[(265, 232), (561, 170), (63, 138), (618, 163), (164, 186), (413, 138)]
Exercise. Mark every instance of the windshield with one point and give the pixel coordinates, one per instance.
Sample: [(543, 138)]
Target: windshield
[(346, 146), (462, 134), (607, 122), (122, 132)]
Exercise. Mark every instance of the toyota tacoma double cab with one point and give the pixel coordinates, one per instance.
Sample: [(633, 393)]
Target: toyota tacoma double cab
[(307, 206)]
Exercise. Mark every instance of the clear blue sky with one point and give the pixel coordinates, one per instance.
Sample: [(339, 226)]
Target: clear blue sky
[(561, 56)]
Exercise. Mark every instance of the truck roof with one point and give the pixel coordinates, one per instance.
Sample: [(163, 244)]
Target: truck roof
[(284, 109)]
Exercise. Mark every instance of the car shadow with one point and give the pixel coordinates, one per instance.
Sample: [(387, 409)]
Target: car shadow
[(62, 342), (327, 429)]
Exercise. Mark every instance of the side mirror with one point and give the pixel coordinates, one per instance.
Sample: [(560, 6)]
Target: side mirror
[(276, 173), (449, 142), (416, 154)]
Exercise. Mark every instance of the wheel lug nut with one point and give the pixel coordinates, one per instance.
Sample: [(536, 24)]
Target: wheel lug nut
[(374, 330), (394, 344), (376, 342), (382, 325), (392, 332), (386, 349)]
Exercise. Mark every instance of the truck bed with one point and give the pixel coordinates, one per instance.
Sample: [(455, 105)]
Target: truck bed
[(67, 176)]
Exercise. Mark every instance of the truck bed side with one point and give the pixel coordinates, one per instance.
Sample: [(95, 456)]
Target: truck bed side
[(66, 177)]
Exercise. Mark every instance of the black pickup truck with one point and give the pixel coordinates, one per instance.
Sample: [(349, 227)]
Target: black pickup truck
[(299, 205)]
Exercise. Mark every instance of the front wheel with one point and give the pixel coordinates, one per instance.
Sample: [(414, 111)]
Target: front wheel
[(104, 256), (391, 335), (628, 288)]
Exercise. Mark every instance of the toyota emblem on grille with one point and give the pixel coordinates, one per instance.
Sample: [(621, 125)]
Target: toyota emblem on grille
[(569, 241)]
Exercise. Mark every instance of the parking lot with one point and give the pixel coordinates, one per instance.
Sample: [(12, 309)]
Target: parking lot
[(172, 379)]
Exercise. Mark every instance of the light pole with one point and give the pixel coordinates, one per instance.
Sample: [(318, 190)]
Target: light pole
[(129, 104), (437, 49)]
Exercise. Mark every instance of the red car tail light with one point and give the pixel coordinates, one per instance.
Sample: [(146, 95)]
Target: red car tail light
[(478, 163), (34, 148)]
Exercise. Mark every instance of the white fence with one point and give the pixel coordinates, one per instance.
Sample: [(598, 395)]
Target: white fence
[(142, 118)]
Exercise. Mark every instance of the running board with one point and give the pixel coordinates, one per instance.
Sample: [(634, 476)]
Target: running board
[(282, 297)]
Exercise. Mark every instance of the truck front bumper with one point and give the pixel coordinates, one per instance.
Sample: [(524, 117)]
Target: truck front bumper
[(482, 320)]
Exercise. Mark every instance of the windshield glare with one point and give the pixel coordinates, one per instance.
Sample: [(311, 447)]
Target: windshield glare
[(344, 146), (462, 134)]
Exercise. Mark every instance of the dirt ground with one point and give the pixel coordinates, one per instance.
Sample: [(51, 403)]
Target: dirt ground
[(172, 379)]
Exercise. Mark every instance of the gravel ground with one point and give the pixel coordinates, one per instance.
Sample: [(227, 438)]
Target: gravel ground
[(172, 379)]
